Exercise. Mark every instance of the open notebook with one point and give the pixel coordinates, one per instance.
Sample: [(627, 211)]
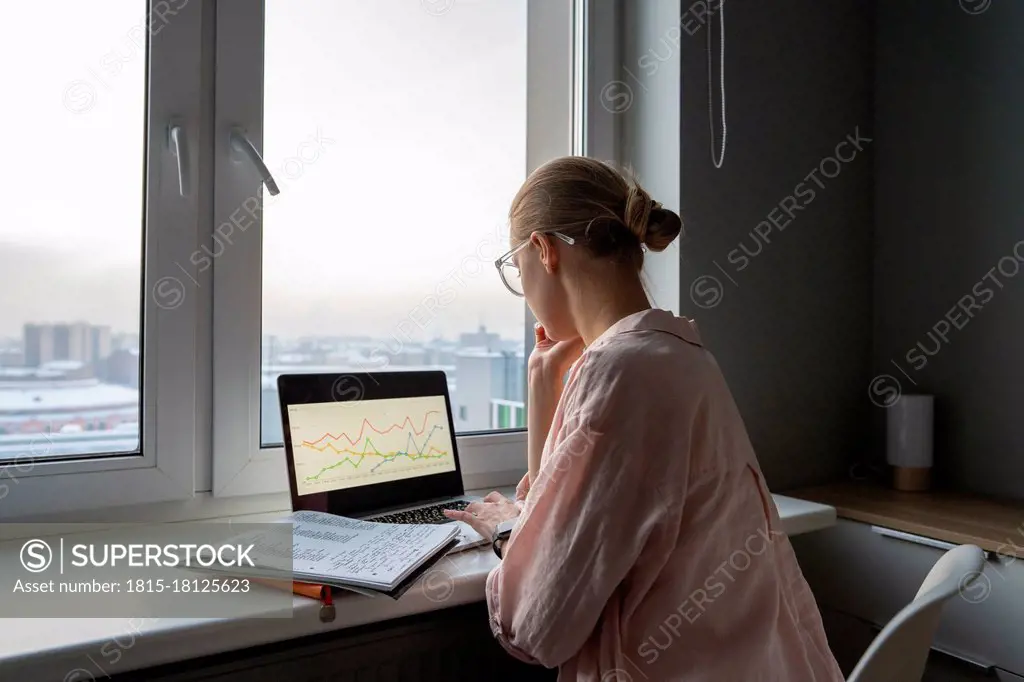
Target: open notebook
[(361, 556)]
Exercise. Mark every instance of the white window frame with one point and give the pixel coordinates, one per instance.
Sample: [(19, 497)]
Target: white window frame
[(240, 465), (34, 486), (202, 359), (644, 134)]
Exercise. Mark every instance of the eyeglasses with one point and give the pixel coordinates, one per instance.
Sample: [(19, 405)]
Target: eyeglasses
[(508, 269)]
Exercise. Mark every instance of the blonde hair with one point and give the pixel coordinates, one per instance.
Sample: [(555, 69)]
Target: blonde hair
[(588, 200)]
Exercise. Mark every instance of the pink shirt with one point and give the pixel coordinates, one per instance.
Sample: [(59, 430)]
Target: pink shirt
[(649, 547)]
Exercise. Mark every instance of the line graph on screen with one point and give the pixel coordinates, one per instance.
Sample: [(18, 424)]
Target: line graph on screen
[(346, 444)]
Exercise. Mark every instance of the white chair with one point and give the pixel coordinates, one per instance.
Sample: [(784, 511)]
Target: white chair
[(900, 651)]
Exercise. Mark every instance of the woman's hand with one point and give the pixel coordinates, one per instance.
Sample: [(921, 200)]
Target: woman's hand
[(485, 516), (550, 360), (523, 489)]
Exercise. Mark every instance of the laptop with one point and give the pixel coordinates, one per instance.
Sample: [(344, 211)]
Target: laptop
[(374, 446)]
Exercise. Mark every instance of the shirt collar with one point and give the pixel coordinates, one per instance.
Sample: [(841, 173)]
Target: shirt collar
[(654, 319)]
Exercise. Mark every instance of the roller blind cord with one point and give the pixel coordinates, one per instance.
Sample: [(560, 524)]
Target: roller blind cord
[(717, 157)]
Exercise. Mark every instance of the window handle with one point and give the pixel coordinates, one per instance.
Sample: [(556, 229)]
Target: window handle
[(242, 146), (179, 148)]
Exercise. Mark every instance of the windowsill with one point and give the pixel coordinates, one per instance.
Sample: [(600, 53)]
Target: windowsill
[(42, 649)]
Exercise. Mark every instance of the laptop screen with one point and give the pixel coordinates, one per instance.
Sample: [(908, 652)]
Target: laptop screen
[(341, 445), (360, 442)]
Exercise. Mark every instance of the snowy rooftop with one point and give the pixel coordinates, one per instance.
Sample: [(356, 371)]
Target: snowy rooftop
[(34, 396)]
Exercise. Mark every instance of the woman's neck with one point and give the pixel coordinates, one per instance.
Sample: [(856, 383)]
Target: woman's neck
[(599, 307)]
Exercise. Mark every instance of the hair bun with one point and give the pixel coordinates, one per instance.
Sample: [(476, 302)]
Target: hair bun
[(655, 226), (638, 211), (663, 226)]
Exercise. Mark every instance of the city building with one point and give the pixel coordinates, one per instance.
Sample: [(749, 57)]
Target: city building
[(481, 338), (508, 414), (101, 345), (72, 342), (78, 341), (77, 385), (491, 390), (38, 348), (122, 367), (12, 357), (61, 397), (70, 389), (124, 341)]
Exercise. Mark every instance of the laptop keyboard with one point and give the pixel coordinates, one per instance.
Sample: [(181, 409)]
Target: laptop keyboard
[(432, 514)]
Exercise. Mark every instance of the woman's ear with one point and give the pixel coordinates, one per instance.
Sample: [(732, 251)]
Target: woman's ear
[(546, 250)]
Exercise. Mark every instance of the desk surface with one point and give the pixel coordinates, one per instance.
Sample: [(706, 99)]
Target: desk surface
[(953, 517), (44, 649)]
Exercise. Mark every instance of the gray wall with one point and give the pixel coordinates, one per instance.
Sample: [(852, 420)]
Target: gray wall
[(791, 325), (949, 205)]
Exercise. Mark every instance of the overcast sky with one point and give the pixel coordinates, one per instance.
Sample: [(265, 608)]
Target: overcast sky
[(425, 111)]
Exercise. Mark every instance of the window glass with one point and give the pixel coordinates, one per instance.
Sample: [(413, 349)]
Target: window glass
[(397, 131), (71, 238)]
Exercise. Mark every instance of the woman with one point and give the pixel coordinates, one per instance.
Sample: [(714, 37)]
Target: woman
[(646, 545)]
